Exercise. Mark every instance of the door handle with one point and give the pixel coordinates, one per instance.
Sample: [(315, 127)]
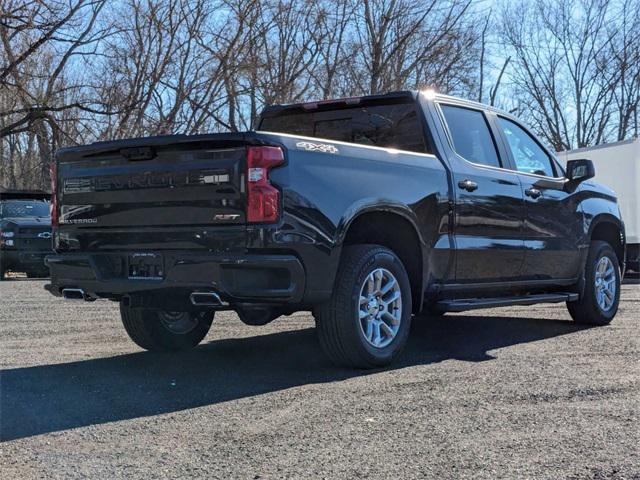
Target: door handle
[(532, 192), (467, 185)]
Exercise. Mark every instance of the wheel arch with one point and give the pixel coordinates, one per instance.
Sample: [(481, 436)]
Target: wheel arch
[(608, 228), (395, 228)]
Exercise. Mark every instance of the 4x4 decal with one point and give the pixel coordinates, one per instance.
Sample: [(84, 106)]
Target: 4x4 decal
[(318, 147)]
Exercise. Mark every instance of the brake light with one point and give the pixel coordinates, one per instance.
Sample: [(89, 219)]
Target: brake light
[(263, 199), (334, 101), (53, 172)]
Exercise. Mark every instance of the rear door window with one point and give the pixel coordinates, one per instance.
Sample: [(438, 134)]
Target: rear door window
[(389, 125), (470, 135)]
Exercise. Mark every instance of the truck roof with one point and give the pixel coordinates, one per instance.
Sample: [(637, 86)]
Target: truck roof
[(346, 102), (400, 95)]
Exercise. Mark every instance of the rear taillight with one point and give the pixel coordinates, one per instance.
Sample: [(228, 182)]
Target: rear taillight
[(263, 199), (53, 172), (6, 239)]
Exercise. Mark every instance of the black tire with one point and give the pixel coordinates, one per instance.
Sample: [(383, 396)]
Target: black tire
[(148, 328), (2, 274), (338, 324), (587, 310)]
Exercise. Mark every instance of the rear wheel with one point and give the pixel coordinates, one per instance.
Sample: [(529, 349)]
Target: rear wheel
[(163, 331), (599, 302), (366, 322)]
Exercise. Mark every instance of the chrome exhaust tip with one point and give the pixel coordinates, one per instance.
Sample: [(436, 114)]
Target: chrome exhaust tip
[(207, 299), (73, 293)]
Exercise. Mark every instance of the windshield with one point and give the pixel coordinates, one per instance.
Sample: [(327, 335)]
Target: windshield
[(23, 208)]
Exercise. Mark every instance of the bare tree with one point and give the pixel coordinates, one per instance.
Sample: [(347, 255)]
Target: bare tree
[(404, 44), (149, 87), (334, 27), (624, 49), (289, 50), (40, 42), (235, 46), (76, 71), (562, 73)]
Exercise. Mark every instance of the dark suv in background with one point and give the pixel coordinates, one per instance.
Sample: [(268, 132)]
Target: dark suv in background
[(25, 232)]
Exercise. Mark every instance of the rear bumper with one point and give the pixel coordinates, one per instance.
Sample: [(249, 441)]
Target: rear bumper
[(21, 260), (236, 279)]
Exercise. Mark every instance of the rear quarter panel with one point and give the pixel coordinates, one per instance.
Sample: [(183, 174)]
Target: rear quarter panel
[(328, 184)]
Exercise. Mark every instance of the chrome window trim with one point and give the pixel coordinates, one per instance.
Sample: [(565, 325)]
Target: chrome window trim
[(349, 144)]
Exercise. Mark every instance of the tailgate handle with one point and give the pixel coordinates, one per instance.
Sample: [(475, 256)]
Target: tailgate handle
[(138, 153)]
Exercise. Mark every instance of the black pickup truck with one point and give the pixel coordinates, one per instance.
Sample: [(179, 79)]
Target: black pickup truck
[(363, 210), (25, 232)]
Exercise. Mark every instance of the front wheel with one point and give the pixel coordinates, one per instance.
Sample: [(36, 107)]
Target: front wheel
[(162, 331), (366, 322), (599, 301)]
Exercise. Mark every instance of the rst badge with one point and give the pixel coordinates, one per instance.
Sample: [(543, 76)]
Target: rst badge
[(226, 216), (317, 147)]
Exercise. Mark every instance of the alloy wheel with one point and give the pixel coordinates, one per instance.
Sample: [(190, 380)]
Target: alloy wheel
[(380, 308), (605, 283)]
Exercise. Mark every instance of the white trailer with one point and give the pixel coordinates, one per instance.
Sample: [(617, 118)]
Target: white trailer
[(618, 167)]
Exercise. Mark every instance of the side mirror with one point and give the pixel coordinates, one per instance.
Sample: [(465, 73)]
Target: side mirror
[(580, 170)]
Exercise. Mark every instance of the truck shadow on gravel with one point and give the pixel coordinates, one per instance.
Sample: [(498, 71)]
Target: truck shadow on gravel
[(50, 398)]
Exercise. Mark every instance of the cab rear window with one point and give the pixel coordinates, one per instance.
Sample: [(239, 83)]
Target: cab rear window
[(390, 125)]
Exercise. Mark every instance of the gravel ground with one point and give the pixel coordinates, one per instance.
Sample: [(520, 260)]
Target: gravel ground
[(505, 393)]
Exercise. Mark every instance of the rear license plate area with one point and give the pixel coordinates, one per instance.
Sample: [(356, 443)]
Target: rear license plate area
[(145, 266)]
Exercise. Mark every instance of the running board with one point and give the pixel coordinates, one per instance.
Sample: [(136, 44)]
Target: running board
[(462, 304)]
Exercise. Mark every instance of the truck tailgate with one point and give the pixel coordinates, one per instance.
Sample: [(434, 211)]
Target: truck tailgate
[(153, 182)]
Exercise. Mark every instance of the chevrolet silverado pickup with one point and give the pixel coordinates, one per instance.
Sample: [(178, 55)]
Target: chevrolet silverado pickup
[(25, 232), (364, 210)]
